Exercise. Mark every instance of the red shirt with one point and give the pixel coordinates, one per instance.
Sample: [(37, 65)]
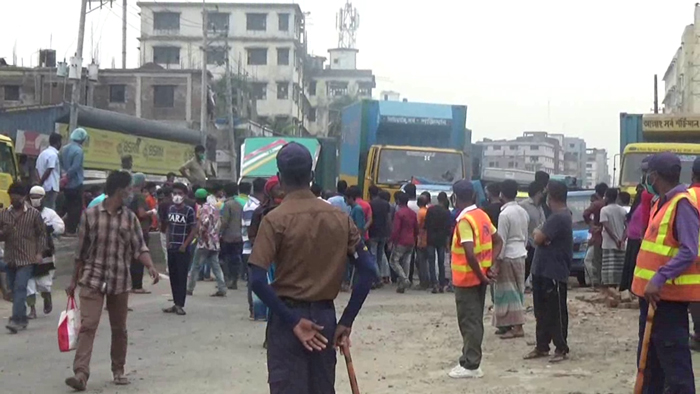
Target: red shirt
[(405, 227), (367, 209)]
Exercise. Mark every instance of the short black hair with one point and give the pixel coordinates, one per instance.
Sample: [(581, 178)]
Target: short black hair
[(55, 138), (171, 175), (396, 195), (533, 188), (18, 188), (422, 200), (427, 195), (385, 195), (245, 187), (316, 189), (625, 198), (542, 178), (149, 185), (402, 198), (557, 191), (179, 186), (373, 191), (601, 188), (611, 195), (126, 159), (341, 187), (231, 189), (259, 185), (117, 180), (494, 188), (353, 192), (410, 189), (199, 148), (442, 197), (165, 190), (509, 189)]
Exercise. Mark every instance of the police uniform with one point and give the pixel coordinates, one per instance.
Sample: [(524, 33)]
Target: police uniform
[(669, 364), (309, 242)]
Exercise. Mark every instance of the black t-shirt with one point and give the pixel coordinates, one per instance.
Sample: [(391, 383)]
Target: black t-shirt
[(381, 209), (493, 210), (553, 261), (438, 224), (163, 208)]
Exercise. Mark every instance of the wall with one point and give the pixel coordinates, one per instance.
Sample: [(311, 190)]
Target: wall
[(528, 155), (343, 59), (682, 77)]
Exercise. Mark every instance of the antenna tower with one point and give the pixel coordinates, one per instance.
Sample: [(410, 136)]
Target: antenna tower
[(347, 22)]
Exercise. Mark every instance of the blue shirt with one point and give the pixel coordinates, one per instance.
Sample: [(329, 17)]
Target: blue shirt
[(358, 216), (72, 163), (339, 201)]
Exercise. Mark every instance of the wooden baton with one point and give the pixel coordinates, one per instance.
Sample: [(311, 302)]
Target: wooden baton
[(345, 349), (639, 384)]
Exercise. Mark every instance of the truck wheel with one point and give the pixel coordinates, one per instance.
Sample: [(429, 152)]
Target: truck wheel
[(581, 277)]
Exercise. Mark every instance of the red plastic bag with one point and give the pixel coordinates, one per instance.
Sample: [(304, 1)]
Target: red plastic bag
[(69, 327)]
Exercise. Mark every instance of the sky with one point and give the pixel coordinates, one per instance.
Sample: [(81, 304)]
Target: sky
[(539, 65)]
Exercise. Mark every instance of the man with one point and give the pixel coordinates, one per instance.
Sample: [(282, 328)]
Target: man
[(410, 190), (663, 278), (366, 210), (244, 189), (317, 190), (198, 168), (48, 170), (165, 200), (149, 192), (231, 235), (42, 278), (127, 163), (438, 225), (309, 242), (169, 179), (550, 273), (339, 199), (474, 243), (181, 230), (402, 240), (422, 243), (693, 190), (24, 233), (509, 267), (379, 232), (536, 217), (594, 256), (613, 219), (137, 203), (254, 201), (110, 237), (542, 179), (208, 246), (72, 163), (352, 195), (493, 208)]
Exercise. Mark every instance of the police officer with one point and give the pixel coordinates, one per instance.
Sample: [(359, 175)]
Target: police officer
[(309, 242), (474, 244), (666, 277)]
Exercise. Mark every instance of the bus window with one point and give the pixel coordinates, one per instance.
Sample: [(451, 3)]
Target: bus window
[(7, 163)]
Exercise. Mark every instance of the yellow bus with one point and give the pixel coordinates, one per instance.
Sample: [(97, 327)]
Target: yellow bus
[(9, 168), (632, 156)]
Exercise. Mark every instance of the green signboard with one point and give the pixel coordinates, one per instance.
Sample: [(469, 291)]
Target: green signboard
[(259, 154)]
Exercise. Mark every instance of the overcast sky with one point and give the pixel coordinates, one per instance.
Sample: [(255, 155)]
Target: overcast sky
[(551, 65)]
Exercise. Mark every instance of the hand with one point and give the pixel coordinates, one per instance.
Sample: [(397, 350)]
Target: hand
[(182, 248), (39, 258), (70, 290), (486, 280), (154, 274), (309, 334), (342, 336), (652, 293), (492, 273), (620, 244)]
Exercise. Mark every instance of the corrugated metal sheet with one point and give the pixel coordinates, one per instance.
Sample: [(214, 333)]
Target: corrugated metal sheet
[(630, 129), (39, 120)]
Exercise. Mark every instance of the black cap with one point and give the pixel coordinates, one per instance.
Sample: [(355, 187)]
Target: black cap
[(665, 162), (696, 165), (463, 188), (294, 158)]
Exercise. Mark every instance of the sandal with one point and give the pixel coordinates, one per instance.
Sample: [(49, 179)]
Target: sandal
[(121, 380), (140, 291), (502, 331), (535, 354), (172, 309), (512, 334), (558, 357), (76, 383)]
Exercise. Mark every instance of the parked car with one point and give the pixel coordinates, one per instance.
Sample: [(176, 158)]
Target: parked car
[(578, 201)]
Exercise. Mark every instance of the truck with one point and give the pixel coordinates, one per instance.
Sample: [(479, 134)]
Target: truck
[(392, 143), (642, 135), (258, 158)]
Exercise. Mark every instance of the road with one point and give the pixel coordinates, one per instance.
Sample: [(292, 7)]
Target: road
[(401, 344)]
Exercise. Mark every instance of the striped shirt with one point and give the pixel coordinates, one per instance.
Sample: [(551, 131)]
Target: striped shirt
[(107, 243), (246, 218), (24, 233)]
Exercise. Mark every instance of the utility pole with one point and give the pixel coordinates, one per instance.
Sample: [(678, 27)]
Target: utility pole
[(75, 97), (203, 108), (229, 105), (124, 34)]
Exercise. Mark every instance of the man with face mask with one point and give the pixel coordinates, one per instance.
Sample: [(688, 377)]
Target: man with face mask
[(43, 273), (24, 233), (198, 168), (666, 277)]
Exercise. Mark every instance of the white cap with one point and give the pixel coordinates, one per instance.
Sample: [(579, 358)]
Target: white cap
[(37, 190)]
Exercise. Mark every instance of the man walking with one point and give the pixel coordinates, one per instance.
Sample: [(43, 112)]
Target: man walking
[(509, 267), (664, 278), (474, 244), (110, 236), (438, 225), (48, 169), (72, 163), (231, 238), (309, 242), (208, 227), (550, 272), (403, 239), (23, 230)]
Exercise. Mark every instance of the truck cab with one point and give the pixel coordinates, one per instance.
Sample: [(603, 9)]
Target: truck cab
[(9, 168)]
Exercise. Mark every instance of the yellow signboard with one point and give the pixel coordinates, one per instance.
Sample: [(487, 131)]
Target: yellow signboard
[(104, 150), (671, 123)]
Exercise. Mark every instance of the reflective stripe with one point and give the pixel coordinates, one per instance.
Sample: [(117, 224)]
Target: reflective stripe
[(467, 268), (689, 279), (665, 221), (659, 248)]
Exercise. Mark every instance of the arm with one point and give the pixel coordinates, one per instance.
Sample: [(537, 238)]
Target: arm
[(364, 264), (193, 229), (75, 165), (502, 233), (686, 227), (369, 219), (81, 253), (50, 165), (184, 169), (473, 262), (56, 222), (40, 233), (587, 213), (396, 230), (225, 218), (140, 249)]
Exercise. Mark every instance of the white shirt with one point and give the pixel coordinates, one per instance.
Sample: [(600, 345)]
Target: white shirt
[(512, 228), (48, 158), (51, 218), (413, 204)]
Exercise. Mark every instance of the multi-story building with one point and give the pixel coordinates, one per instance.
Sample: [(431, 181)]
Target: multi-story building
[(520, 154), (264, 44), (575, 158), (682, 77), (596, 167)]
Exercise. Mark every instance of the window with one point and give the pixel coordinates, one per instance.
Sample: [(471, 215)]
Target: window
[(312, 115), (282, 56), (166, 55), (256, 22), (492, 164), (514, 147), (572, 145), (166, 21), (364, 89), (259, 90), (282, 90), (296, 92), (496, 147), (510, 164), (534, 147), (589, 165), (164, 96), (534, 159), (11, 92), (312, 88), (283, 22), (217, 22), (117, 93), (257, 56), (337, 89), (216, 55)]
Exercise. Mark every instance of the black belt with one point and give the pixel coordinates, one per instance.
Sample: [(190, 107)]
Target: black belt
[(297, 304)]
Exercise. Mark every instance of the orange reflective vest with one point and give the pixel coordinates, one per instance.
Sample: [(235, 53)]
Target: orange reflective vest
[(658, 248), (462, 274)]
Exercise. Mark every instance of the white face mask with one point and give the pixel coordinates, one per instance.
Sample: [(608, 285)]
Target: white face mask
[(178, 199), (36, 202)]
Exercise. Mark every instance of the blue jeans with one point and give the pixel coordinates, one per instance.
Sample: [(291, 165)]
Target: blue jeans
[(668, 360), (211, 257), (231, 253), (439, 252), (17, 278), (376, 247)]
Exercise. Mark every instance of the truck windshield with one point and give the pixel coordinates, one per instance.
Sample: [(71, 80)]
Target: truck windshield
[(399, 166), (7, 163), (632, 168)]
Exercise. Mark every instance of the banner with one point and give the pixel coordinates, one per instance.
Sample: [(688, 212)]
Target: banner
[(104, 150), (671, 123)]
